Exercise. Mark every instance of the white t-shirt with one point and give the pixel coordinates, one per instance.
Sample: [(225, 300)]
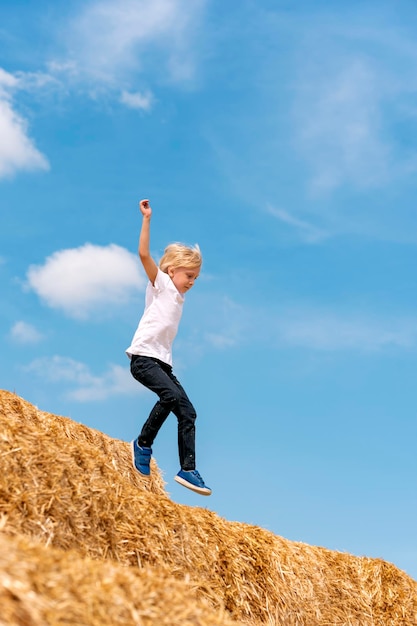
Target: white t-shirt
[(159, 323)]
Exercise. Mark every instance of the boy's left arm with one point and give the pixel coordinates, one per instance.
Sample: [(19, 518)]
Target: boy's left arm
[(148, 263)]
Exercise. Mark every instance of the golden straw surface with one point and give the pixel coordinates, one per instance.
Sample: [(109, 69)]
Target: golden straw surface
[(115, 544), (41, 585)]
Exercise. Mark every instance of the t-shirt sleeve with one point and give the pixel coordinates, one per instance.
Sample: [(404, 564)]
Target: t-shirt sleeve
[(161, 281)]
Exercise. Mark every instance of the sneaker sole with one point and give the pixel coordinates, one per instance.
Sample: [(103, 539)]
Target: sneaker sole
[(203, 491), (132, 450)]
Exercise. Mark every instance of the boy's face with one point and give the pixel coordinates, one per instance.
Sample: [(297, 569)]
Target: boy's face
[(183, 277)]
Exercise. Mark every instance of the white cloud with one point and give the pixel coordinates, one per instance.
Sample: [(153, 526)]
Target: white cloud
[(17, 150), (7, 82), (36, 81), (107, 40), (107, 46), (87, 387), (137, 100), (25, 333), (307, 231), (354, 99), (340, 125), (332, 331), (227, 324), (221, 341), (79, 280)]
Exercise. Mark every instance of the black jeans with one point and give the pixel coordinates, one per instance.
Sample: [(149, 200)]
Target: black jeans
[(158, 377)]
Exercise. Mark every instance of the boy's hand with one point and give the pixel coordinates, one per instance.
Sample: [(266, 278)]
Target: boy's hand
[(145, 208)]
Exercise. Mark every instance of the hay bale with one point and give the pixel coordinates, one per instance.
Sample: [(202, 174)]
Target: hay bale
[(73, 488), (40, 585)]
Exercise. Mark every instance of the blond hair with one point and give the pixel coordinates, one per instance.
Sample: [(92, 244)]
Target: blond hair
[(180, 255)]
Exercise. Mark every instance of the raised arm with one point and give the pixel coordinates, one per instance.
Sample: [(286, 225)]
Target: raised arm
[(148, 263)]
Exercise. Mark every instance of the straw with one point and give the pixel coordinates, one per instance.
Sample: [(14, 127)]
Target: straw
[(73, 489)]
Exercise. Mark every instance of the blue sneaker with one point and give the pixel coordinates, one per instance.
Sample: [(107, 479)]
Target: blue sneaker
[(192, 480), (141, 458)]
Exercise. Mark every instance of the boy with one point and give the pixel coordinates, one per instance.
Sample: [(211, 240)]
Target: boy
[(151, 352)]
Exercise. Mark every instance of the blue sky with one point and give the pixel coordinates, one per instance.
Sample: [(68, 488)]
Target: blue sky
[(282, 138)]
